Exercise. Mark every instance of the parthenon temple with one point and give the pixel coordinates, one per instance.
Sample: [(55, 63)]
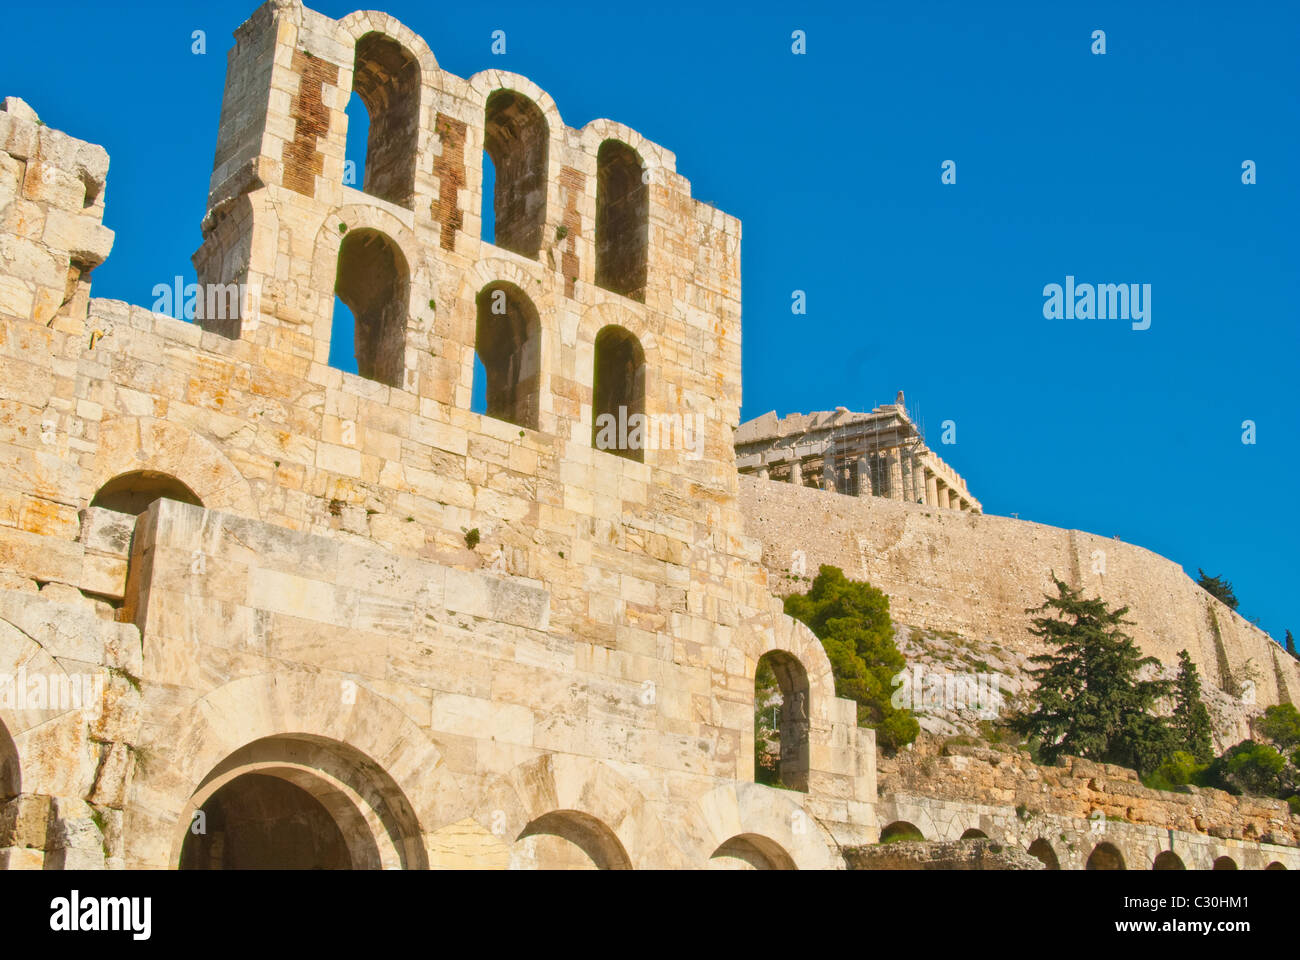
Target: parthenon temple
[(881, 453)]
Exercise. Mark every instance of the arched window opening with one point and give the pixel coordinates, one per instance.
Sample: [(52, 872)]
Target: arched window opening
[(298, 801), (1224, 863), (259, 822), (974, 834), (1105, 856), (618, 395), (387, 79), (133, 492), (1041, 849), (1276, 865), (749, 851), (900, 831), (622, 220), (507, 342), (516, 137), (569, 840), (374, 284), (781, 722), (1168, 860)]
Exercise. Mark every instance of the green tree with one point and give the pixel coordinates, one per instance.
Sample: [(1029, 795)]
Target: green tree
[(1217, 587), (1191, 719), (1250, 767), (1090, 701), (851, 619), (1179, 769), (1290, 645), (1280, 724)]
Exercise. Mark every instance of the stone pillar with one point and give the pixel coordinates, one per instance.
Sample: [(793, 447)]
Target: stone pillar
[(905, 471), (943, 495), (796, 473), (895, 475), (864, 477), (932, 490), (918, 480), (763, 472)]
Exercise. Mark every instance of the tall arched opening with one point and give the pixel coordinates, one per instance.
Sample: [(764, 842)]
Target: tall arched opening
[(373, 282), (508, 344), (781, 721)]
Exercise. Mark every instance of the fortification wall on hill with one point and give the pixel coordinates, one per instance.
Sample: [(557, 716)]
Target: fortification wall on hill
[(975, 575)]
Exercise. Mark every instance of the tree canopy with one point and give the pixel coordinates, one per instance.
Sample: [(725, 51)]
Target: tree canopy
[(851, 619)]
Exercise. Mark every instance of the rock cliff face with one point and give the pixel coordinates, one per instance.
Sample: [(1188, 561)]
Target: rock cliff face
[(963, 582)]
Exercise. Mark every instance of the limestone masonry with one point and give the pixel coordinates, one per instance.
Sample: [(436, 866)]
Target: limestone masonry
[(260, 612)]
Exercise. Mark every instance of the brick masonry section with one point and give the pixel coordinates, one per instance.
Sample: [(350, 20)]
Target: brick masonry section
[(303, 162), (450, 171)]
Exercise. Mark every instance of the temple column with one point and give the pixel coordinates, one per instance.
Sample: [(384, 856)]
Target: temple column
[(763, 472), (918, 480), (943, 495), (895, 476), (932, 490), (796, 473), (864, 477), (905, 472)]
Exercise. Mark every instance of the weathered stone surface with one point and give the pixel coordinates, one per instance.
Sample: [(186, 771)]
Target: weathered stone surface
[(949, 855), (479, 640)]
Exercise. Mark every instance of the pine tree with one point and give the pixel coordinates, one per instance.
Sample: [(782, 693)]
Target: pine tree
[(851, 619), (1217, 587), (1191, 718), (1090, 701), (1290, 645)]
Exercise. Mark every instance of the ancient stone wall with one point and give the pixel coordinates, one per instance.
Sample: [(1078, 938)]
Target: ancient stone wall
[(976, 575), (947, 791), (471, 641)]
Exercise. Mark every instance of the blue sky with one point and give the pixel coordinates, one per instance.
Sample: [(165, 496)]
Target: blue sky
[(1122, 168)]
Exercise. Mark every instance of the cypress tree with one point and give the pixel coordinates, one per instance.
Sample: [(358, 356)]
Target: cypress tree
[(1090, 701), (1191, 718)]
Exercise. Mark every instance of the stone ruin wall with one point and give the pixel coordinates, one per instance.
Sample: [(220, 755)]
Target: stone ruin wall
[(975, 575), (1079, 789), (486, 681), (944, 788)]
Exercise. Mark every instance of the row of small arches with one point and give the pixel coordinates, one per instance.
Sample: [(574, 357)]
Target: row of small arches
[(516, 139), (373, 282), (1104, 856)]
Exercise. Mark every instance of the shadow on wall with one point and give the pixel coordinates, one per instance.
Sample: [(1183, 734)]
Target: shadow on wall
[(11, 783)]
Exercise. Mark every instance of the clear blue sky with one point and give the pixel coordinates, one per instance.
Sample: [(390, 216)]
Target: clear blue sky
[(1117, 168)]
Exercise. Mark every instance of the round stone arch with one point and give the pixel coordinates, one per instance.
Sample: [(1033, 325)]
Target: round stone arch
[(794, 638), (420, 279), (630, 317), (295, 726), (45, 751), (555, 792), (357, 24), (131, 444), (486, 82), (458, 326), (652, 154), (480, 91), (918, 815), (771, 821)]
